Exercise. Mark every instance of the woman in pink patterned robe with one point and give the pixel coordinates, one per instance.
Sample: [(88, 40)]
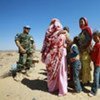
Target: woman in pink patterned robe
[(54, 56)]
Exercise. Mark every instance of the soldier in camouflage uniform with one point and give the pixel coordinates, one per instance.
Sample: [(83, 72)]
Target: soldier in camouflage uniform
[(26, 47)]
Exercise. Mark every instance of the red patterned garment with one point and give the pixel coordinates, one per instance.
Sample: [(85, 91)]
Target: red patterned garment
[(54, 56)]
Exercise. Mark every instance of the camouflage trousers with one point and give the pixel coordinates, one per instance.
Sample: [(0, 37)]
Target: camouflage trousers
[(25, 62)]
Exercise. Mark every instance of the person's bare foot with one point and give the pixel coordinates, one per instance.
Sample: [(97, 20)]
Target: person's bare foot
[(18, 77), (60, 95)]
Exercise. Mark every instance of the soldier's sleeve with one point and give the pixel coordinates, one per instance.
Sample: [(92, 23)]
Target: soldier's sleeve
[(31, 39), (17, 37), (33, 43)]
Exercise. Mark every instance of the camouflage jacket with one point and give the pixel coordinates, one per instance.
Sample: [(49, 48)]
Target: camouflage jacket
[(26, 42)]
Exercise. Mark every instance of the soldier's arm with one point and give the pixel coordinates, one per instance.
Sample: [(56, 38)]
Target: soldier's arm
[(17, 41), (22, 50), (18, 44)]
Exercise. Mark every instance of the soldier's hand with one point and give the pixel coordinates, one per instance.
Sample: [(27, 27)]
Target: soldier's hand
[(22, 50)]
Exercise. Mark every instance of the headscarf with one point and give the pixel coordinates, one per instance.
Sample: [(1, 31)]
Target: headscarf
[(87, 28), (55, 25), (54, 28)]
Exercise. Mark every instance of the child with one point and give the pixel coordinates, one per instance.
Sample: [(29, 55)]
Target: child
[(75, 64), (68, 42), (95, 56)]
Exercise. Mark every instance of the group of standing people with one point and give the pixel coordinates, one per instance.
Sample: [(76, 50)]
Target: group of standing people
[(55, 55), (58, 52)]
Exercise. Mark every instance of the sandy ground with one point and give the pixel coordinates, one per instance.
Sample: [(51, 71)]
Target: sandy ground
[(31, 88)]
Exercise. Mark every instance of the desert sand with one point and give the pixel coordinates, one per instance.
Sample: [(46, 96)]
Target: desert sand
[(31, 88)]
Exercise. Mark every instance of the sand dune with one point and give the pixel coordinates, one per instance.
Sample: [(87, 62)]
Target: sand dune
[(30, 88)]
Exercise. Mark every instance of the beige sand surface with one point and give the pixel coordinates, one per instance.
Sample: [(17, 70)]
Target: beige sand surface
[(30, 88)]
